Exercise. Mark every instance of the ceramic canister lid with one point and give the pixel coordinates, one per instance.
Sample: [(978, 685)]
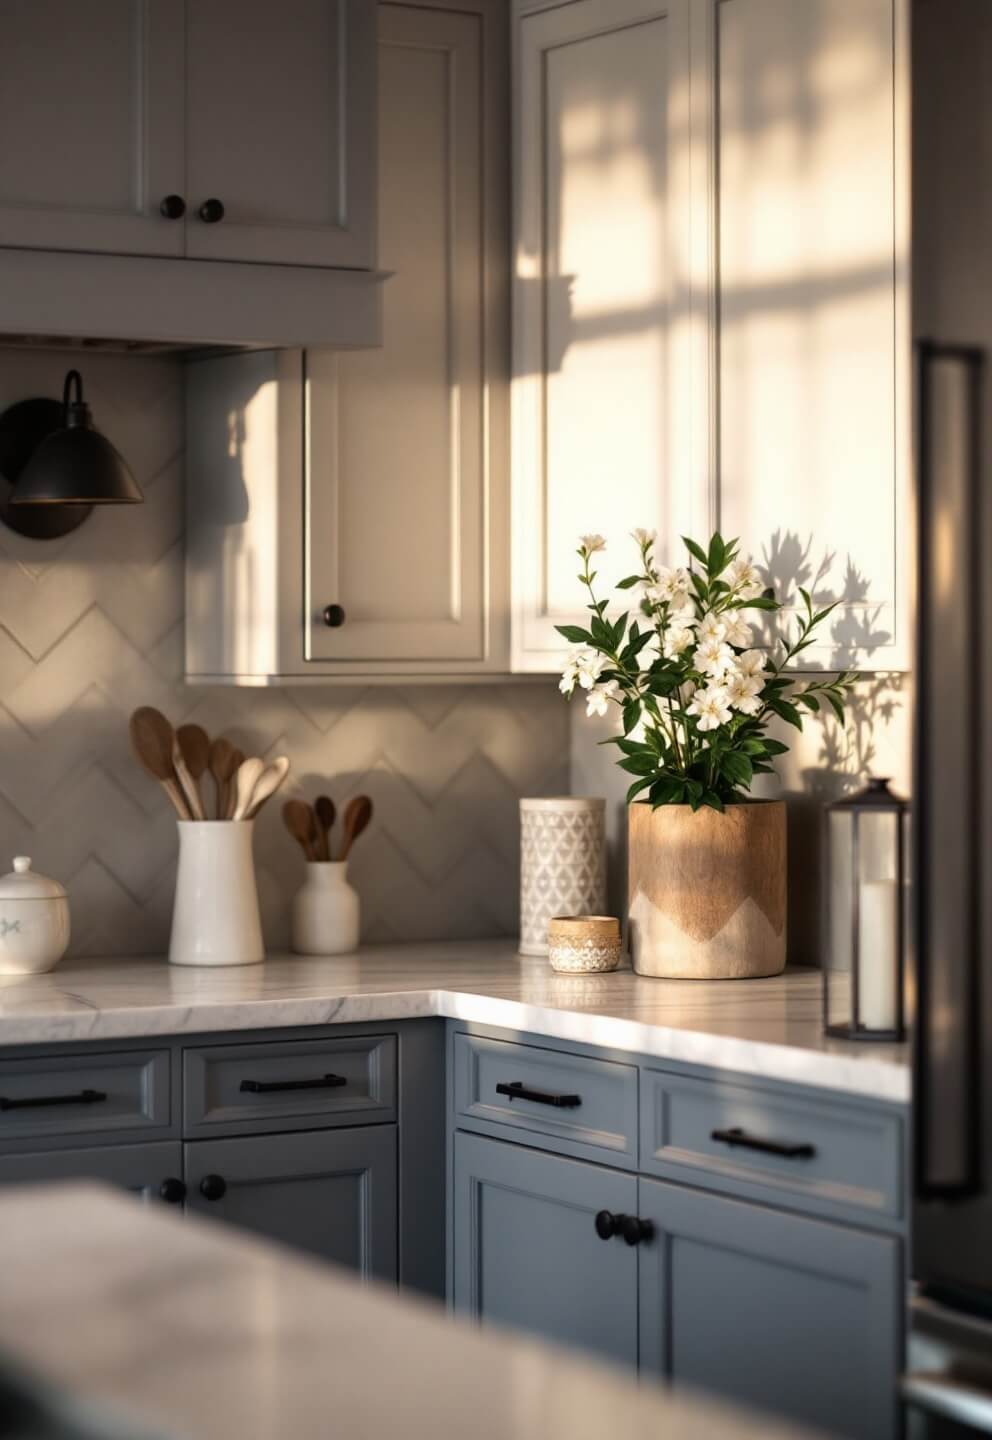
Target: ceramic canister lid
[(23, 883)]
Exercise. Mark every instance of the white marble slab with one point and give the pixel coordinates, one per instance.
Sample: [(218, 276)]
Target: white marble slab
[(203, 1332), (770, 1028)]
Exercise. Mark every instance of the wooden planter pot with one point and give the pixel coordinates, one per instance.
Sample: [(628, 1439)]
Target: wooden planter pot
[(707, 891)]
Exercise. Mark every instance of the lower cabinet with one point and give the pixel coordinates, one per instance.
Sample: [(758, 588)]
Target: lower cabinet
[(153, 1171), (776, 1311), (527, 1252), (792, 1315), (330, 1192)]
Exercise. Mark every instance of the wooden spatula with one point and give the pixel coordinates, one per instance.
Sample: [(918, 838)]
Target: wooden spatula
[(152, 739), (357, 814), (248, 776), (326, 813), (224, 762), (194, 743), (301, 823), (267, 784)]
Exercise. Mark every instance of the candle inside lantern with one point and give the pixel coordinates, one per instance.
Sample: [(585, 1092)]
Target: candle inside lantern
[(878, 961)]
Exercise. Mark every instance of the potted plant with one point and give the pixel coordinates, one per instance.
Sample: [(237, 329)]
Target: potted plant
[(695, 698)]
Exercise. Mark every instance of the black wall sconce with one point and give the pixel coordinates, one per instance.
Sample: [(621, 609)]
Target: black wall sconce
[(57, 466)]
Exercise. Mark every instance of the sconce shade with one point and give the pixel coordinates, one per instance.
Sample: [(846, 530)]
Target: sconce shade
[(75, 464)]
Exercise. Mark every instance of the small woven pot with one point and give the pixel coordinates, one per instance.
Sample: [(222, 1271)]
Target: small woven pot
[(583, 944)]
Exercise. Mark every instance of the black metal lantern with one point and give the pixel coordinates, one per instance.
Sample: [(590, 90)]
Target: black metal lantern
[(864, 973), (58, 466)]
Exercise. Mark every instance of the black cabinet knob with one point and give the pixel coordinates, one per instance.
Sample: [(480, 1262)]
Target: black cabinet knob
[(608, 1224), (213, 1187), (173, 207), (172, 1191), (211, 211), (334, 616), (635, 1230)]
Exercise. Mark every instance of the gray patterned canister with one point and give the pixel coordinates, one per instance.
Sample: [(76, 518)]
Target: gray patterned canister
[(562, 863)]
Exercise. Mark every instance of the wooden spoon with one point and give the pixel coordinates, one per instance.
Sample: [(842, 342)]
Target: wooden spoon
[(194, 742), (357, 814), (326, 813), (267, 784), (301, 823), (152, 741), (224, 761), (248, 776), (187, 784)]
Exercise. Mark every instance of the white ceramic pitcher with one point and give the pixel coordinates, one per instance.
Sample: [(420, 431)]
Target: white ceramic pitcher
[(215, 918)]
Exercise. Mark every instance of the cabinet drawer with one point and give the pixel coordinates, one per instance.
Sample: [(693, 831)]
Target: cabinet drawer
[(832, 1156), (289, 1084), (78, 1095), (570, 1103)]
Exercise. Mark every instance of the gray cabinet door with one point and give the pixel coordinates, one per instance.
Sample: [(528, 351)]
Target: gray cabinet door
[(791, 1315), (91, 111), (526, 1251), (280, 112), (330, 1192), (138, 1168)]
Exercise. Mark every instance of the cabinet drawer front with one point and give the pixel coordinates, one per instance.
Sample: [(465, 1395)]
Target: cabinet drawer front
[(834, 1157), (77, 1095), (573, 1103), (289, 1084)]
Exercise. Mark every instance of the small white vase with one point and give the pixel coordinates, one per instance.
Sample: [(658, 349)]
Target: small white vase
[(326, 911), (215, 918)]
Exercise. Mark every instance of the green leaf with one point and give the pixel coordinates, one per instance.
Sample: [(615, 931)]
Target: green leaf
[(696, 551), (628, 582), (806, 601), (755, 747), (712, 799), (667, 791), (775, 747), (574, 634), (629, 747), (602, 634), (737, 768), (810, 701), (761, 602), (637, 787), (786, 710), (836, 707), (639, 764), (631, 715), (715, 559)]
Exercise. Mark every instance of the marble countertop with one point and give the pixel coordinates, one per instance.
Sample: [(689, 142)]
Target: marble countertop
[(182, 1327), (771, 1028)]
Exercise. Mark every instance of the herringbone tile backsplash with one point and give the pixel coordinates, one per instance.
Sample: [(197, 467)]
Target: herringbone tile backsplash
[(92, 626)]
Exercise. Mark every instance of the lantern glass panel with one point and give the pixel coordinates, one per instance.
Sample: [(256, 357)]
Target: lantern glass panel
[(839, 1001), (878, 920)]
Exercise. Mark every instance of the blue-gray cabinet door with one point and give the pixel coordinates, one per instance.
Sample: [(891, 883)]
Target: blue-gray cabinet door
[(526, 1252), (330, 1192), (787, 1314), (152, 1171)]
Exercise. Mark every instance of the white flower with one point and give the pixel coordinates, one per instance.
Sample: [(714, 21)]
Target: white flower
[(588, 668), (678, 638), (743, 692), (710, 707), (714, 656), (712, 627), (737, 631), (744, 579), (751, 663), (671, 585), (644, 538), (591, 543), (571, 671), (683, 613), (598, 699)]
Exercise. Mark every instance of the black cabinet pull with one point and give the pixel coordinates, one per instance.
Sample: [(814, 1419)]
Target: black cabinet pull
[(265, 1087), (517, 1090), (82, 1097), (787, 1149), (211, 211), (334, 616), (635, 1230), (172, 1191), (213, 1187), (173, 207), (608, 1224)]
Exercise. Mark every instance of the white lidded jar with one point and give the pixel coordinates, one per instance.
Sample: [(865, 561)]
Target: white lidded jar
[(34, 921), (326, 918)]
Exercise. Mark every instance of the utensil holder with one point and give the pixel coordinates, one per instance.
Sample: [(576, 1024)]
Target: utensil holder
[(215, 919), (562, 863), (326, 918)]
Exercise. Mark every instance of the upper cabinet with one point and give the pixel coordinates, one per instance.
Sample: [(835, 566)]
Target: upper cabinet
[(189, 131), (601, 330), (710, 301), (280, 131), (348, 512)]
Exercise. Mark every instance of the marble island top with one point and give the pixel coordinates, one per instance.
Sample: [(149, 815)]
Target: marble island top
[(181, 1327), (771, 1028)]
